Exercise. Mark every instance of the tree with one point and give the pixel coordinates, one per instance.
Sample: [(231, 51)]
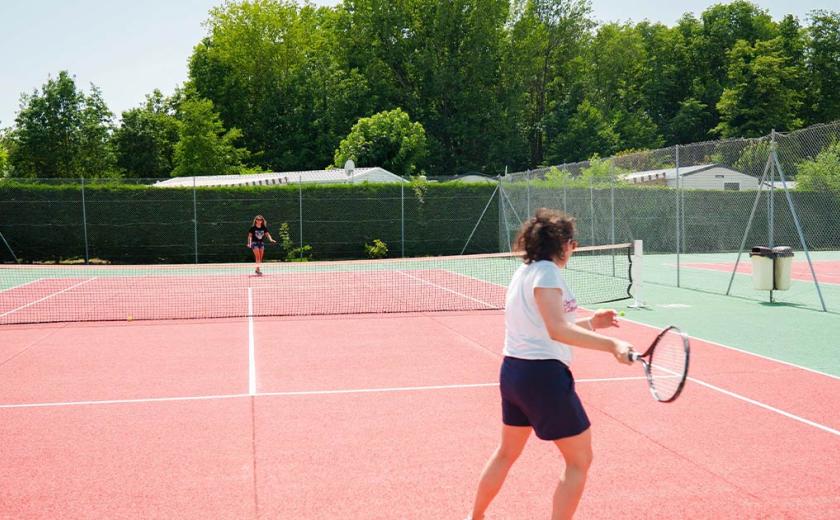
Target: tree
[(587, 133), (204, 147), (4, 161), (144, 143), (61, 132), (823, 57), (543, 69), (761, 96), (822, 172), (387, 139)]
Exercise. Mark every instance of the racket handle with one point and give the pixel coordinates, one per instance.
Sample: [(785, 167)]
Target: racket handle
[(634, 356)]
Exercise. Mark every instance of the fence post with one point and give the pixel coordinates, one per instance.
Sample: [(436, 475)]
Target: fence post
[(592, 211), (770, 202), (528, 186), (300, 212), (402, 219), (84, 222), (679, 210), (195, 222)]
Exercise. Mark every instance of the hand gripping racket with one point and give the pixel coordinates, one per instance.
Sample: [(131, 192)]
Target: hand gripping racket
[(666, 364)]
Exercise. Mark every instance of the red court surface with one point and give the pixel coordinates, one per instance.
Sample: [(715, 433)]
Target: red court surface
[(828, 271), (369, 417)]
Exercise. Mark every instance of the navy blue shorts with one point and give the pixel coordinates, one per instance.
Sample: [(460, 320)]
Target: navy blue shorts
[(257, 245), (541, 394)]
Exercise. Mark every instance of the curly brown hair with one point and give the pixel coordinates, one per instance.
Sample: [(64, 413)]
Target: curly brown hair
[(542, 236)]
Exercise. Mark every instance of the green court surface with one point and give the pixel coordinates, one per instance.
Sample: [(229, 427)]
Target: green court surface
[(798, 335)]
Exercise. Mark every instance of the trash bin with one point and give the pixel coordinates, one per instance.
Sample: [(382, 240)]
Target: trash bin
[(783, 261), (762, 268)]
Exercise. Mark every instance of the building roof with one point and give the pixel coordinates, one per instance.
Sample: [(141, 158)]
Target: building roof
[(334, 176), (671, 173)]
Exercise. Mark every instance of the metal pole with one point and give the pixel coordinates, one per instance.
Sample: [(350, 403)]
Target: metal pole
[(679, 213), (402, 219), (612, 220), (84, 222), (749, 223), (9, 248), (528, 185), (770, 201), (195, 222), (592, 211), (300, 212), (480, 218), (798, 228)]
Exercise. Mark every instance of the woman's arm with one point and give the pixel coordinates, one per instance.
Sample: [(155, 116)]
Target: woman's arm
[(550, 304), (249, 239), (270, 238)]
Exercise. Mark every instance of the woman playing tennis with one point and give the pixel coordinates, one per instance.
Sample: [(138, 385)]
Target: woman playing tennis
[(537, 388), (256, 239)]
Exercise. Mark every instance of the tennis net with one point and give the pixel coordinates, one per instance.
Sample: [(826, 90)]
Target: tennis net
[(62, 293)]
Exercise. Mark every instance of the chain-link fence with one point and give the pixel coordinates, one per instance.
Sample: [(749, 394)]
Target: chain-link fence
[(697, 206), (139, 222)]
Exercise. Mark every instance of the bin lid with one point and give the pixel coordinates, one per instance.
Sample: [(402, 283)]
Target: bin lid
[(782, 251), (762, 251)]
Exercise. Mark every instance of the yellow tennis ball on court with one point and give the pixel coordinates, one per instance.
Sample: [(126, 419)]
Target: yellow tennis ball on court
[(621, 313)]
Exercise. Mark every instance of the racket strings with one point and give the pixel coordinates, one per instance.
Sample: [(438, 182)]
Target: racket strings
[(668, 366)]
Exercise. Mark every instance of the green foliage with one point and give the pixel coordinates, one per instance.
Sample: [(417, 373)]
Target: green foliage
[(62, 132), (378, 249), (204, 147), (823, 66), (753, 158), (387, 139), (587, 133), (144, 143), (822, 172), (602, 171), (4, 161), (764, 92), (291, 251)]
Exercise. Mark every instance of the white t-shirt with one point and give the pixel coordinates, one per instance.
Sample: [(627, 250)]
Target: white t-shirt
[(526, 336)]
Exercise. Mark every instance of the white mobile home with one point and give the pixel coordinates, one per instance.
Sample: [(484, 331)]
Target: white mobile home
[(703, 177), (357, 175)]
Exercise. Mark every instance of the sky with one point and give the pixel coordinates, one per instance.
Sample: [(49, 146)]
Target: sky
[(130, 47)]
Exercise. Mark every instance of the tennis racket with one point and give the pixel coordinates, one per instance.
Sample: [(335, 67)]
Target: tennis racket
[(666, 364)]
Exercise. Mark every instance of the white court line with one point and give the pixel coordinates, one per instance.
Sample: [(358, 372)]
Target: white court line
[(23, 284), (252, 365), (767, 407), (47, 297), (427, 282), (288, 394)]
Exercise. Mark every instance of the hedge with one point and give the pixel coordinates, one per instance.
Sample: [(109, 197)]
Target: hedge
[(143, 224)]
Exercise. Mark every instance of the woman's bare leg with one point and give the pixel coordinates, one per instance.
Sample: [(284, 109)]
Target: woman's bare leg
[(577, 452), (493, 476)]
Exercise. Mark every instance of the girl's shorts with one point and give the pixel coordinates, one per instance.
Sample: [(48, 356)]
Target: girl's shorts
[(541, 394)]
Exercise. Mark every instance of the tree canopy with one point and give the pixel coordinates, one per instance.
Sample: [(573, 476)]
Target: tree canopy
[(281, 84)]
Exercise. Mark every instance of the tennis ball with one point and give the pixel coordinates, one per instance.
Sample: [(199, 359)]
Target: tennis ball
[(621, 313)]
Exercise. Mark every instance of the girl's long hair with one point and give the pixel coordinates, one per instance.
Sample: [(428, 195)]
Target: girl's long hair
[(265, 222)]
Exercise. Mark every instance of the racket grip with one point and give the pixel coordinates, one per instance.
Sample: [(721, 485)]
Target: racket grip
[(634, 356)]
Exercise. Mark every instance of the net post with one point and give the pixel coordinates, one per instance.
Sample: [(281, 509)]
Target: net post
[(195, 222), (84, 222), (637, 275)]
